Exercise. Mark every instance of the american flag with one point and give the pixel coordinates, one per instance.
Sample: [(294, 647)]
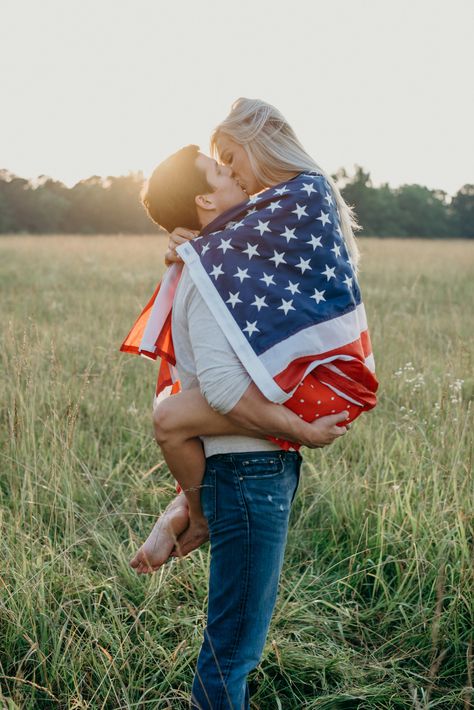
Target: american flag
[(277, 276)]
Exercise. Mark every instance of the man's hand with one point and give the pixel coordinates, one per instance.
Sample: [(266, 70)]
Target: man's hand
[(178, 236), (256, 414), (325, 430)]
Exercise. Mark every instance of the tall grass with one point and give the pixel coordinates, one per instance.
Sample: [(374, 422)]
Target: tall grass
[(375, 602)]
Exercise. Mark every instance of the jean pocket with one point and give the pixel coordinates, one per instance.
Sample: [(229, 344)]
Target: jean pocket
[(208, 495), (261, 467)]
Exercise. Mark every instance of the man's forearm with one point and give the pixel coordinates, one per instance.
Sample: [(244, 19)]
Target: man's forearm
[(186, 415), (261, 417)]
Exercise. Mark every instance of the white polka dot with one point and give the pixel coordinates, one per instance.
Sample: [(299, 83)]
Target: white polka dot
[(348, 406), (333, 411), (312, 387), (302, 401), (317, 415), (319, 401), (301, 416), (332, 398)]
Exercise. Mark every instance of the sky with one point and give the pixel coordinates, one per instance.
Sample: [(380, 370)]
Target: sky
[(109, 86)]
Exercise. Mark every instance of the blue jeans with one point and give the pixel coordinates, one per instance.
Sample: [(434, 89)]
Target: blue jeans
[(246, 498)]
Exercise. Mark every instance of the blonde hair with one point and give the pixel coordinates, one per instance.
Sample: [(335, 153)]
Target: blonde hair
[(275, 153)]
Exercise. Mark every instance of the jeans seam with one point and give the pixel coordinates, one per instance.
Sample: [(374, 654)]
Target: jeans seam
[(246, 587)]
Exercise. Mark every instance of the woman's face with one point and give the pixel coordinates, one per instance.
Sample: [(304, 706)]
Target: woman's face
[(235, 155)]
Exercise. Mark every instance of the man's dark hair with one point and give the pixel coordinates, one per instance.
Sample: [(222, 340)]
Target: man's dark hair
[(168, 195)]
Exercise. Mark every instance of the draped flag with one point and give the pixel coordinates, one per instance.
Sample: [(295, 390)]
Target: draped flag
[(277, 276), (150, 335)]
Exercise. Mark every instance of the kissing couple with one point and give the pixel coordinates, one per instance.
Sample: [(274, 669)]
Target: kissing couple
[(264, 347)]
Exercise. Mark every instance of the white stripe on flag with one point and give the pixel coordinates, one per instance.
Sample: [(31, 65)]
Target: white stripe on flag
[(315, 340), (161, 308), (370, 362)]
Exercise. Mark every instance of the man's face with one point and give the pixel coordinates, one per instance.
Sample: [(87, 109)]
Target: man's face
[(227, 191)]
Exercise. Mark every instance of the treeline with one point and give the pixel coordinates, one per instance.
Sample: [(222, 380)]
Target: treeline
[(112, 206)]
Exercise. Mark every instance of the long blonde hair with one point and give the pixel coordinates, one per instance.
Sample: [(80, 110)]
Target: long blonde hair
[(275, 152)]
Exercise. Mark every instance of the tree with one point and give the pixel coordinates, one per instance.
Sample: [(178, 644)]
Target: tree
[(462, 212)]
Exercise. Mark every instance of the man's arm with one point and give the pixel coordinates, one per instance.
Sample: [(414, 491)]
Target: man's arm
[(188, 415), (229, 390)]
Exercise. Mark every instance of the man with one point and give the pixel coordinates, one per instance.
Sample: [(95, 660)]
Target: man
[(249, 482)]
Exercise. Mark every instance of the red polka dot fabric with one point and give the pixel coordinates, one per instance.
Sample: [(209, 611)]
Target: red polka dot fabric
[(312, 400)]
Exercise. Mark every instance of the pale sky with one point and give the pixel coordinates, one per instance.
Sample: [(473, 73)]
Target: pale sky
[(107, 86)]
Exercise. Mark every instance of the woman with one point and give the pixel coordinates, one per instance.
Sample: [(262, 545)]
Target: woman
[(262, 150)]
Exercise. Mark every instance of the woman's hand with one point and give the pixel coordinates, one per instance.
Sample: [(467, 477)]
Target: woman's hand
[(178, 236)]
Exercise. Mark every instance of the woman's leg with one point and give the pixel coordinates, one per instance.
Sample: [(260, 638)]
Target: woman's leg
[(177, 421)]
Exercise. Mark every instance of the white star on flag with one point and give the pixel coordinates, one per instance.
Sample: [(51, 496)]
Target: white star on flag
[(251, 328), (303, 265), (293, 287), (286, 306), (300, 211), (237, 225), (318, 295), (315, 242), (278, 258), (224, 245), (254, 209), (253, 200), (251, 250), (274, 206), (288, 234), (328, 198), (336, 249), (229, 225), (339, 231), (324, 218), (349, 261), (241, 274), (216, 271), (308, 187), (348, 281), (268, 279), (234, 299), (204, 249), (329, 273), (281, 190), (259, 302), (262, 227)]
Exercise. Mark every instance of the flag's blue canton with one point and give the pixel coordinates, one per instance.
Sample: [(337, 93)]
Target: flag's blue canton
[(283, 253)]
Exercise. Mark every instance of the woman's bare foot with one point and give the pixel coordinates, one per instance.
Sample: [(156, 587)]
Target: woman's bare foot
[(157, 547)]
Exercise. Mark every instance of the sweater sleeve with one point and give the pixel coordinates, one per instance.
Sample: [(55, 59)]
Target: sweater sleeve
[(222, 377)]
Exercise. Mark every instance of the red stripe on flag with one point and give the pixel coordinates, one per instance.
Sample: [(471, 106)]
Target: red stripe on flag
[(362, 384)]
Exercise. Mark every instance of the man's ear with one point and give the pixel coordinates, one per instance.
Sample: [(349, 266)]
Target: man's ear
[(204, 202)]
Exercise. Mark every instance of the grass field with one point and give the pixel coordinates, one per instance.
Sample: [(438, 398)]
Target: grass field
[(375, 602)]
